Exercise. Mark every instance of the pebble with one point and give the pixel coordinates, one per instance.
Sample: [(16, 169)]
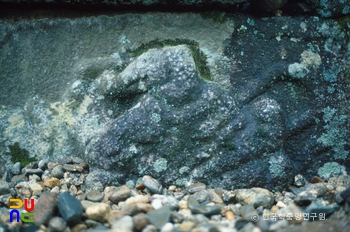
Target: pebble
[(31, 171), (255, 196), (52, 182), (150, 207), (247, 211), (229, 215), (159, 217), (70, 208), (141, 220), (98, 212), (299, 180), (125, 223), (16, 168), (35, 188), (152, 184), (120, 194), (196, 208), (57, 224), (72, 168), (57, 172), (23, 190), (95, 196), (137, 199), (196, 187)]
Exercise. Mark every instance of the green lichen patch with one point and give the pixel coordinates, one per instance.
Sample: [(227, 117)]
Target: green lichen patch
[(20, 155), (199, 57), (335, 135)]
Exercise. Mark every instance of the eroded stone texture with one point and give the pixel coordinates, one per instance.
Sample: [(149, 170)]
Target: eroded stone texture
[(277, 104)]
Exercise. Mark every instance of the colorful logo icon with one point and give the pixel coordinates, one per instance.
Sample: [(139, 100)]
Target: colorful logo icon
[(17, 204)]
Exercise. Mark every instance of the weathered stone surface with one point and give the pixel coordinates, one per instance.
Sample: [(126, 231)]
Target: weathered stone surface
[(276, 104)]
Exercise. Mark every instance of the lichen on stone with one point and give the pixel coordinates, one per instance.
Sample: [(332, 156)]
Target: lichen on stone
[(335, 135), (331, 169)]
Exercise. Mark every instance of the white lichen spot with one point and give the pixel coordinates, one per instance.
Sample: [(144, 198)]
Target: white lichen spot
[(156, 117), (298, 70), (133, 149), (61, 113), (184, 169), (310, 58), (160, 165), (303, 27), (16, 122), (84, 105)]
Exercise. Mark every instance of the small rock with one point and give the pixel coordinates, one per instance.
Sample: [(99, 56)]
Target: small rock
[(229, 215), (255, 196), (299, 180), (16, 168), (201, 196), (98, 212), (23, 190), (196, 187), (159, 217), (316, 179), (196, 208), (317, 208), (87, 204), (144, 207), (79, 227), (57, 224), (44, 208), (247, 211), (280, 204), (140, 221), (120, 194), (137, 199), (42, 164), (152, 184), (95, 196), (72, 168), (51, 165), (57, 172), (36, 188), (172, 188), (150, 228), (168, 227), (34, 178), (305, 198), (31, 171), (52, 182), (131, 210), (108, 192), (70, 208), (125, 223), (292, 214), (140, 187), (346, 195), (214, 197), (187, 225)]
